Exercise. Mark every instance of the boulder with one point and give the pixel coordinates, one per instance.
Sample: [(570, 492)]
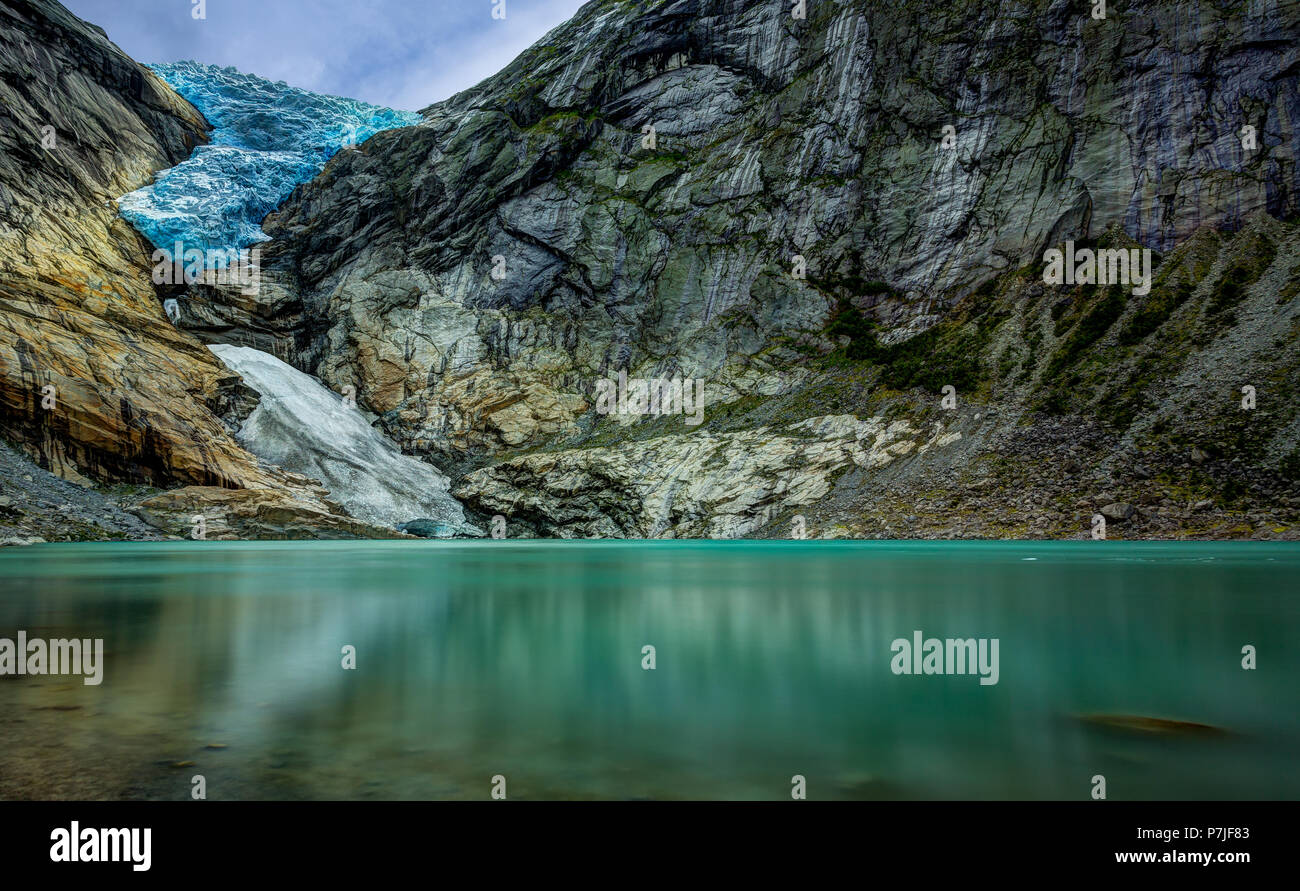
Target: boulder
[(1118, 512)]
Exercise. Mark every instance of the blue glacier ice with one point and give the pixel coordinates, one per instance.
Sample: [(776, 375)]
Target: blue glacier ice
[(267, 138)]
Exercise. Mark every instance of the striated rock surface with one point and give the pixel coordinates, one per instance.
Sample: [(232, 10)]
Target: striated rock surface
[(94, 380), (297, 512), (837, 224), (772, 137), (96, 385), (685, 486)]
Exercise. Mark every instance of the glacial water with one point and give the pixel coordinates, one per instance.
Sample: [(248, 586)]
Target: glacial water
[(267, 138), (772, 659)]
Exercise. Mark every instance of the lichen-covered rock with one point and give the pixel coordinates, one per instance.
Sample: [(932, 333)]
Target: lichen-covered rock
[(1118, 512)]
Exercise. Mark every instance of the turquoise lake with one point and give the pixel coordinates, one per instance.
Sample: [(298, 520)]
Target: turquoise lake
[(772, 659)]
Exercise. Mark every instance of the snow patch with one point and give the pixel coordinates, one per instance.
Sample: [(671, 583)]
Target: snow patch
[(303, 426)]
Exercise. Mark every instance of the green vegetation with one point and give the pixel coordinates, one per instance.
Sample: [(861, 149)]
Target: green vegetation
[(1250, 264), (1133, 396), (948, 353), (1090, 328), (1155, 311)]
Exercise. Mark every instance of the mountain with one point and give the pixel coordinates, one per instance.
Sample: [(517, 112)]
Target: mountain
[(96, 385), (827, 222), (824, 138)]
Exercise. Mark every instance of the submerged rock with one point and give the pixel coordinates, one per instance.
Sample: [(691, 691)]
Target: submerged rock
[(1149, 725)]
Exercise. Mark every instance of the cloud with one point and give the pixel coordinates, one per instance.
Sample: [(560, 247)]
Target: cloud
[(396, 53)]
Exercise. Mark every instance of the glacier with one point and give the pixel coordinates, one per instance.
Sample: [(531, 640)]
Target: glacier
[(267, 138), (303, 426)]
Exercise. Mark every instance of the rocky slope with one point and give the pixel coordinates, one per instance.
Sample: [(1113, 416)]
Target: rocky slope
[(643, 189), (37, 506)]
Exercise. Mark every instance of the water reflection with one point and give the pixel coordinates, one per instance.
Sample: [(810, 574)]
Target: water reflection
[(524, 659)]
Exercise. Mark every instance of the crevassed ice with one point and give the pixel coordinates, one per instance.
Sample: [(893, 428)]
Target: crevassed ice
[(267, 138)]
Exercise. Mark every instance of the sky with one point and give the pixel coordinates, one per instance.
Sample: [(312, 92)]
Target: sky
[(404, 54)]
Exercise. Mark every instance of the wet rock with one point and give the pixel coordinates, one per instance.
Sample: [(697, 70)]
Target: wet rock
[(305, 512)]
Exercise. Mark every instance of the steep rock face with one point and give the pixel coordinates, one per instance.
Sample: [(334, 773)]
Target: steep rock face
[(632, 194), (474, 275), (129, 397), (96, 385)]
